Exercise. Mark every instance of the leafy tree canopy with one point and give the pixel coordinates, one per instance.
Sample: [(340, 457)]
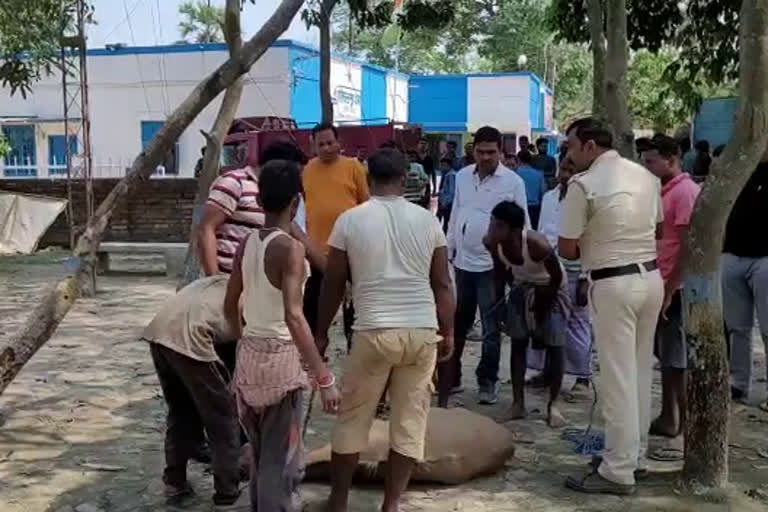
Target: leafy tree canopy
[(202, 22), (31, 39)]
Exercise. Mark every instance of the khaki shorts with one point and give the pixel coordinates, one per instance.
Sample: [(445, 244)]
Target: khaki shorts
[(409, 356)]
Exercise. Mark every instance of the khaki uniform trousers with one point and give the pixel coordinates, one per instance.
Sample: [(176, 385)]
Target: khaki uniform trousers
[(625, 310)]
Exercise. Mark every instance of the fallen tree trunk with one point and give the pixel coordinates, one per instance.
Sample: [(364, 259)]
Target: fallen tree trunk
[(706, 436), (214, 141), (55, 304)]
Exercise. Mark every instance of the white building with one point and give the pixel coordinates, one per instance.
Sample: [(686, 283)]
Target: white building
[(133, 89)]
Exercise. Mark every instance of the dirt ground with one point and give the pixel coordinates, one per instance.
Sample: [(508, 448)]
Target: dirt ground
[(81, 428)]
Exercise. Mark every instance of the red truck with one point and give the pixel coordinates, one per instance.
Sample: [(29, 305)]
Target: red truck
[(249, 135)]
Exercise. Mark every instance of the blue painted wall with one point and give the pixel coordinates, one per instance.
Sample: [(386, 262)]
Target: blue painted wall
[(714, 121), (438, 103), (304, 67), (536, 103), (373, 96)]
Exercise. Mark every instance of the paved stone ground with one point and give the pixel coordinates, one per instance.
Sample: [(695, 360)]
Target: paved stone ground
[(82, 426)]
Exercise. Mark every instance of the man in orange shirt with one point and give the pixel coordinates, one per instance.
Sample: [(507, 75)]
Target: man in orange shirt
[(333, 184)]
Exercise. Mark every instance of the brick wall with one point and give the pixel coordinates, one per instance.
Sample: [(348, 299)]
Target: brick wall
[(157, 210)]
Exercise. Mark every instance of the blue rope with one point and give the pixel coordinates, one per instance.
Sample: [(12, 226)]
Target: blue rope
[(586, 442)]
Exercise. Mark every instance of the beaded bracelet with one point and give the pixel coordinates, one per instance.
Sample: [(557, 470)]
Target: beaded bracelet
[(326, 384)]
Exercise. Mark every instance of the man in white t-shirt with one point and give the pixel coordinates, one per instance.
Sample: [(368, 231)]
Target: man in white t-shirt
[(395, 255)]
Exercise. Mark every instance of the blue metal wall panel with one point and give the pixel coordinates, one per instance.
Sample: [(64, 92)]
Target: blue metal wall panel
[(374, 96), (714, 121), (536, 103), (304, 68), (438, 103)]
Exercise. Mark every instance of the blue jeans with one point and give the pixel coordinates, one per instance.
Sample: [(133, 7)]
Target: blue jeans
[(475, 289)]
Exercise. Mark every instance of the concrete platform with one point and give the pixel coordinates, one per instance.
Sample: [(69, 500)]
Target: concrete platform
[(174, 253)]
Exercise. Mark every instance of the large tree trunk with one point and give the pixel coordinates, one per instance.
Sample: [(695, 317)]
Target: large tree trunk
[(55, 304), (214, 140), (615, 88), (326, 8), (706, 436), (597, 33)]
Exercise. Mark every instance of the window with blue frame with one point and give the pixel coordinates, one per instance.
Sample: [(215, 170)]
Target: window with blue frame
[(21, 161), (170, 164), (57, 153)]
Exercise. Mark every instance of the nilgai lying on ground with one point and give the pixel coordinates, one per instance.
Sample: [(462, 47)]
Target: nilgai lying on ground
[(460, 446)]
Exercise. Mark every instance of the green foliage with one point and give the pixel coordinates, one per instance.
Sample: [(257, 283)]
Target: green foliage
[(5, 147), (202, 22), (30, 40), (650, 23), (704, 32)]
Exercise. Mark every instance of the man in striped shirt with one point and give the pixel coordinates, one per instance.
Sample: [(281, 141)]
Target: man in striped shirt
[(231, 212)]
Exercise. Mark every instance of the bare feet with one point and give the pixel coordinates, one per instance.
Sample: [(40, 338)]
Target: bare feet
[(518, 412), (555, 418)]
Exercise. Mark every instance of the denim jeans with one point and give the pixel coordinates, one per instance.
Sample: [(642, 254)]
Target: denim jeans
[(475, 289), (745, 292)]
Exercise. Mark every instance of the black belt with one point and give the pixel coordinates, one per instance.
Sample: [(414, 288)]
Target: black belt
[(626, 270)]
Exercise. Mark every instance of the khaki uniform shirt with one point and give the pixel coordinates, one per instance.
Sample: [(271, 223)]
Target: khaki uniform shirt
[(193, 320), (613, 209)]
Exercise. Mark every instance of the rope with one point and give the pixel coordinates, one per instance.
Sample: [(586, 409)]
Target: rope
[(586, 442)]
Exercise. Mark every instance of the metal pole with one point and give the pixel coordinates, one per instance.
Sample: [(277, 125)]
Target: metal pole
[(68, 165), (86, 125)]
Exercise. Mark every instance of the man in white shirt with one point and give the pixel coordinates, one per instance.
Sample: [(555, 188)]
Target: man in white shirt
[(479, 187), (611, 218), (394, 254)]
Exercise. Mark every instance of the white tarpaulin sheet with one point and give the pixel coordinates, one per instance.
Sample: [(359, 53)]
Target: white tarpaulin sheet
[(24, 220)]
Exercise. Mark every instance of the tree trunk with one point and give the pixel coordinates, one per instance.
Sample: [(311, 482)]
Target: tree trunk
[(706, 436), (214, 141), (55, 304), (597, 32), (615, 86), (326, 8)]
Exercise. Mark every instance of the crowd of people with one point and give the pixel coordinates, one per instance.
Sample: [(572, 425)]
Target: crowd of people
[(596, 260)]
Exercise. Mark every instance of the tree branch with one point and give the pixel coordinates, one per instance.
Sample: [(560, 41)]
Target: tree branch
[(597, 32), (57, 302), (615, 80), (214, 141)]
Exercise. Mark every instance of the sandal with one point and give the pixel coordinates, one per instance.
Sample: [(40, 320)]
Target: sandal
[(594, 483), (666, 454)]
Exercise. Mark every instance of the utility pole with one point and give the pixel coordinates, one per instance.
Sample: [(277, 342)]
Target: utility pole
[(74, 80)]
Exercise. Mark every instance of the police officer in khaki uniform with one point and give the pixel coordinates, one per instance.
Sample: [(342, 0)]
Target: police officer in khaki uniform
[(610, 218)]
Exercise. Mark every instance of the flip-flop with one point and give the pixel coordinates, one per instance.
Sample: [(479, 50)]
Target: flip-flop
[(667, 454)]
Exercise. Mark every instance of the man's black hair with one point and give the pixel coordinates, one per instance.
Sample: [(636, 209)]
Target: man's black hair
[(587, 129), (525, 157), (665, 145), (488, 134), (542, 140), (282, 150), (511, 213), (388, 144), (685, 144), (279, 184), (321, 127), (452, 143), (703, 146), (643, 144), (386, 166), (447, 160)]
